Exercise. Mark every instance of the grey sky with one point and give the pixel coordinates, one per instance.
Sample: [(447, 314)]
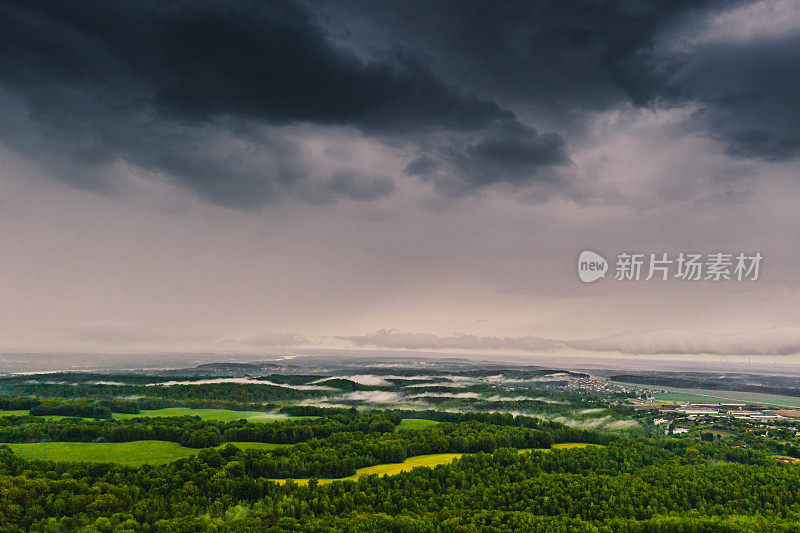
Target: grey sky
[(233, 176)]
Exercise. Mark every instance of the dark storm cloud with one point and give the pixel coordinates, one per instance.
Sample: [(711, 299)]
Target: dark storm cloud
[(564, 56), (511, 155), (514, 154), (248, 59), (563, 59), (200, 93), (171, 89), (748, 93)]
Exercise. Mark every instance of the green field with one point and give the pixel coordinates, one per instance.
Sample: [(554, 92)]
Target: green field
[(26, 413), (430, 460), (135, 453), (223, 415), (717, 396), (415, 423), (389, 469), (253, 445), (561, 446), (573, 445), (126, 453)]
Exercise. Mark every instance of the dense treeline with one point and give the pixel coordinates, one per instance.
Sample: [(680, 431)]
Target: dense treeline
[(333, 446), (18, 403), (502, 419), (562, 432), (628, 486), (348, 385), (80, 407), (231, 392), (117, 405), (188, 430), (341, 454), (313, 410), (525, 405), (84, 407), (57, 406), (161, 403)]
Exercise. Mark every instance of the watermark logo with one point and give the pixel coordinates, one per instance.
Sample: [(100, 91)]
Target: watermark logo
[(591, 266), (662, 266)]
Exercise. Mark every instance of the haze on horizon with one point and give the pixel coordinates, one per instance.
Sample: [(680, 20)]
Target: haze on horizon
[(238, 177)]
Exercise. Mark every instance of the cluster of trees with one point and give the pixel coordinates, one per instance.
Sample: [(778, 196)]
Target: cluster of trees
[(153, 393), (348, 385), (342, 453), (331, 446), (80, 407), (237, 392), (230, 392), (153, 402), (18, 403), (189, 431), (560, 432), (313, 410), (628, 485), (117, 405), (525, 405), (84, 407)]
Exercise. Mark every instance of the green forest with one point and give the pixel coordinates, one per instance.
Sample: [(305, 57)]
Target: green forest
[(152, 454), (623, 485)]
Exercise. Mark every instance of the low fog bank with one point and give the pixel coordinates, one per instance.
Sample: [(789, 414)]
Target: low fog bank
[(330, 360)]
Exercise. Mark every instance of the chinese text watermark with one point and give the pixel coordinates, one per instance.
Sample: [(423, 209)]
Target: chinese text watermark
[(662, 266)]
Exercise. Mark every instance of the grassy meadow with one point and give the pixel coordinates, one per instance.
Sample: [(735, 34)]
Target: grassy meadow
[(389, 469), (137, 453), (223, 415), (718, 396), (415, 423), (429, 460)]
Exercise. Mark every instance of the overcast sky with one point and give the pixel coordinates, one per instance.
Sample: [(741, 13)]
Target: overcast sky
[(240, 176)]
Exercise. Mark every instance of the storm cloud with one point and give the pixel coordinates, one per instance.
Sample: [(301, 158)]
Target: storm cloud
[(204, 94), (201, 93), (732, 60), (203, 176)]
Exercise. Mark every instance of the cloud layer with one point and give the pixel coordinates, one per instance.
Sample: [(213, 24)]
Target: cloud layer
[(423, 341), (201, 176), (201, 94), (208, 95), (774, 341)]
